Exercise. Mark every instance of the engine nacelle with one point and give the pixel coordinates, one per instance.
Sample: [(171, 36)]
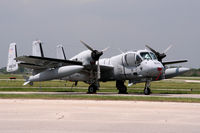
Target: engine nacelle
[(173, 72), (84, 57)]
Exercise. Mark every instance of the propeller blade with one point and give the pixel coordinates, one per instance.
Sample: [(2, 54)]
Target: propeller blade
[(121, 51), (98, 71), (105, 49), (86, 45), (154, 51), (168, 49)]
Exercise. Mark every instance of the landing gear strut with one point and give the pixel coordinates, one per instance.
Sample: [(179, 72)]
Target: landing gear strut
[(121, 87), (147, 90), (92, 89)]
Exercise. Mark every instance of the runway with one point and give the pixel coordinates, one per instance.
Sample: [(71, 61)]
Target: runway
[(106, 94), (83, 116)]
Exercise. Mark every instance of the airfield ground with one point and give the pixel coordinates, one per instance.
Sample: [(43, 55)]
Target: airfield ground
[(83, 116), (54, 106)]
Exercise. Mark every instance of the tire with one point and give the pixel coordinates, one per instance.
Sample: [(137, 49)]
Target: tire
[(147, 91), (123, 90), (92, 89)]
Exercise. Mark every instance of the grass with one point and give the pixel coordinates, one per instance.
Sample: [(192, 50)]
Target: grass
[(158, 87), (110, 85), (6, 76), (97, 97)]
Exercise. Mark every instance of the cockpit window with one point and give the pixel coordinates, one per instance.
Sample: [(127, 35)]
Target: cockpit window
[(146, 56), (138, 60), (153, 56)]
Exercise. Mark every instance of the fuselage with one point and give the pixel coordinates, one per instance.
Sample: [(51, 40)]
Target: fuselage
[(136, 66)]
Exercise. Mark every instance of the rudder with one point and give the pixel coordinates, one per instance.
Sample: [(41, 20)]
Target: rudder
[(12, 54), (37, 49), (60, 52)]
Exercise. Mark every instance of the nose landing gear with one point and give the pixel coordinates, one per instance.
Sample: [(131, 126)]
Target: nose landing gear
[(147, 90)]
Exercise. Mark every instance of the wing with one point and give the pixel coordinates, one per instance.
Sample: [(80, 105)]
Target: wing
[(106, 67), (173, 62), (106, 72), (36, 62)]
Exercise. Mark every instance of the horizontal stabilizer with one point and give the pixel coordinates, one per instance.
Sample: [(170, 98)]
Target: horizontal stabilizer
[(173, 62), (12, 54), (26, 83)]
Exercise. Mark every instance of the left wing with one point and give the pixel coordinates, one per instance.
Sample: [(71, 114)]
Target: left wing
[(36, 62), (173, 62)]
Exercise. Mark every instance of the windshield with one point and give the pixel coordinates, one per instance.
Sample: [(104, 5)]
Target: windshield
[(153, 56), (146, 56)]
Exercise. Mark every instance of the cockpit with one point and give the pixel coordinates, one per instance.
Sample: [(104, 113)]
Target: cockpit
[(135, 58), (132, 59), (148, 56)]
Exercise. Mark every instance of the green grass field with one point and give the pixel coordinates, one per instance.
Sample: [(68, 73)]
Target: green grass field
[(98, 97), (158, 87)]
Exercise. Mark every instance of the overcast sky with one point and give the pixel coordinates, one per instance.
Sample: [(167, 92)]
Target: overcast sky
[(120, 24)]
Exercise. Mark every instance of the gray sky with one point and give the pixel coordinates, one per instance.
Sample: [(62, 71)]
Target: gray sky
[(120, 24)]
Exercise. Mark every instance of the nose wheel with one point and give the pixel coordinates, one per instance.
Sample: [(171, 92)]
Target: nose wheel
[(121, 87), (147, 90)]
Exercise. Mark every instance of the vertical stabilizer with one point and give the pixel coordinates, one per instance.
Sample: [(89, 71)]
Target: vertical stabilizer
[(37, 49), (60, 52), (12, 54)]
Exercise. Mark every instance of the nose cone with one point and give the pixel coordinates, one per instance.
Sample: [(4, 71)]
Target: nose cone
[(152, 68)]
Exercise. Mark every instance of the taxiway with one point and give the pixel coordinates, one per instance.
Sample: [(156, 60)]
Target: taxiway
[(87, 116)]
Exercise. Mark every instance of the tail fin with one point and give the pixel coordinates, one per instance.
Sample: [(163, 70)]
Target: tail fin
[(60, 52), (37, 49), (12, 54)]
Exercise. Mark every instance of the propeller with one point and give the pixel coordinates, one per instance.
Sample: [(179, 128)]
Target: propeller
[(159, 55), (95, 53), (95, 56)]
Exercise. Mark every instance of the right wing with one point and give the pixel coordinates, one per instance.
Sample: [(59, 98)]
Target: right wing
[(36, 62), (173, 62)]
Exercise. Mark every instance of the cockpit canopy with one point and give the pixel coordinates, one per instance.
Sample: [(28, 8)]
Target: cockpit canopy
[(132, 59), (135, 58), (148, 56)]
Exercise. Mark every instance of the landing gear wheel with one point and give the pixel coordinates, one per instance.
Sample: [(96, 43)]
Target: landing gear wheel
[(147, 91), (122, 90), (92, 89), (121, 87)]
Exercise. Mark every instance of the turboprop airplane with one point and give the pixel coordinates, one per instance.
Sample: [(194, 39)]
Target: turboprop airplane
[(134, 66)]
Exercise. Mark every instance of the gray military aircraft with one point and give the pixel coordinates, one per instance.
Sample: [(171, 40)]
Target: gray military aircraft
[(134, 66)]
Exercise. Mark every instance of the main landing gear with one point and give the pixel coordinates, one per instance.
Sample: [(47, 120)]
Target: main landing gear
[(121, 87), (147, 90), (92, 89)]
